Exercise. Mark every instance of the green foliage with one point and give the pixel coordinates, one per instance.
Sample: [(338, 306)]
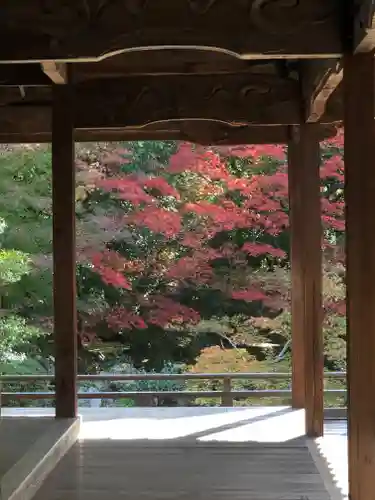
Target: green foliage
[(15, 334), (13, 265), (245, 336)]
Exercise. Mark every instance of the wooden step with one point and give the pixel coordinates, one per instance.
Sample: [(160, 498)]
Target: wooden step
[(30, 449)]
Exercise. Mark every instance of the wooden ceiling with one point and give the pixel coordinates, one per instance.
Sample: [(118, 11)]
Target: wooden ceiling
[(209, 71)]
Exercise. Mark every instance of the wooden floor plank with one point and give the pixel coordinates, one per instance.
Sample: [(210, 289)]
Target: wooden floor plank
[(185, 471), (27, 432)]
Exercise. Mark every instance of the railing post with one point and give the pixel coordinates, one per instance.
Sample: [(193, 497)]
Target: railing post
[(144, 400), (227, 399)]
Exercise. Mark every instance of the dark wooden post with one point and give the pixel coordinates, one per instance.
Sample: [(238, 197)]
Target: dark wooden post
[(306, 235), (359, 95), (64, 258), (227, 399)]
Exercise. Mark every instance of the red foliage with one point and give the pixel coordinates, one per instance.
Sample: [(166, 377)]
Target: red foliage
[(190, 221), (121, 318), (163, 310), (248, 295), (161, 185), (128, 188), (106, 265), (158, 220), (256, 249)]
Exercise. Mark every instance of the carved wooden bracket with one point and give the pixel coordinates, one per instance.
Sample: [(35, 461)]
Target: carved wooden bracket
[(57, 72), (319, 79)]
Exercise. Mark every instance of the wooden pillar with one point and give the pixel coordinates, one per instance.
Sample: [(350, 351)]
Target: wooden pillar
[(306, 235), (64, 258), (359, 95)]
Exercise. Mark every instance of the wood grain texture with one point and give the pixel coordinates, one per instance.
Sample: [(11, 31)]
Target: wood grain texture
[(165, 470), (245, 98), (57, 72), (359, 88), (362, 29), (306, 261), (88, 30), (64, 252), (319, 80), (206, 133)]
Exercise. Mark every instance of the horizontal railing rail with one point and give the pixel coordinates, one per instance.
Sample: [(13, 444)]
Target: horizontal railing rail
[(227, 395), (169, 376)]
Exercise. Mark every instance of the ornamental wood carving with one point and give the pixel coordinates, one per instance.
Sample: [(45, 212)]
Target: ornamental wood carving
[(241, 99), (92, 29), (244, 99)]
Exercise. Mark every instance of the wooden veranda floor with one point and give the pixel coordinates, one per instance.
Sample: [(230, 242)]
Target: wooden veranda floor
[(97, 469), (196, 454)]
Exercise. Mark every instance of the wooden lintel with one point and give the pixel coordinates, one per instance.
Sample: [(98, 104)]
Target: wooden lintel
[(249, 29), (200, 132), (241, 99), (363, 29), (359, 94), (247, 99), (319, 79), (306, 259), (56, 72)]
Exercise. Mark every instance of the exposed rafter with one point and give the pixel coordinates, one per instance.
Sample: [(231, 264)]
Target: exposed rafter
[(92, 30)]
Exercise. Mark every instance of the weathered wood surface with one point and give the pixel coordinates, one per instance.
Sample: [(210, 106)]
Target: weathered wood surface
[(333, 448), (123, 470), (246, 98), (363, 27), (16, 127), (319, 80), (17, 436), (70, 30), (306, 260), (64, 251), (359, 87)]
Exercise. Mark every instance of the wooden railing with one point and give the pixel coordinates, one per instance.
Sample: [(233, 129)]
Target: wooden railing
[(227, 394)]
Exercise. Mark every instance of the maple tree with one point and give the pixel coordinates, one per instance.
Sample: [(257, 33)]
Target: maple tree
[(210, 222), (180, 248)]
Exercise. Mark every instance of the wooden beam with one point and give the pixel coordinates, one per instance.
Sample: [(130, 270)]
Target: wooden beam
[(362, 32), (243, 99), (319, 80), (64, 262), (250, 29), (359, 93), (251, 99), (306, 234), (56, 72), (26, 75), (204, 133), (162, 62)]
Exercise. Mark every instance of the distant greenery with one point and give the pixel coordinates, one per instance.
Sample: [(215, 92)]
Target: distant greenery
[(141, 306)]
